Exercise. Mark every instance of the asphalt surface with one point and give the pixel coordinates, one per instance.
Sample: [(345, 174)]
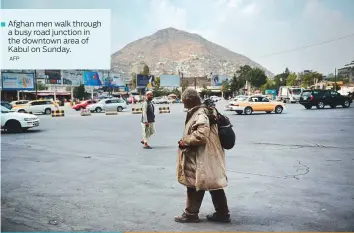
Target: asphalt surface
[(287, 172)]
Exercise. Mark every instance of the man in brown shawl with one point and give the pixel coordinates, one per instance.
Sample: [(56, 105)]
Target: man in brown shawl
[(201, 162)]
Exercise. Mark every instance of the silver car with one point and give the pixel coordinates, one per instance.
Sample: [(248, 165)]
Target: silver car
[(113, 104)]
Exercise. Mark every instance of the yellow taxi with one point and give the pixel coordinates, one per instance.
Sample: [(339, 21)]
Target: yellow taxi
[(257, 103)]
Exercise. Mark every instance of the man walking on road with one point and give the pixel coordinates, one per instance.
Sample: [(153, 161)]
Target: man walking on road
[(148, 120), (201, 162)]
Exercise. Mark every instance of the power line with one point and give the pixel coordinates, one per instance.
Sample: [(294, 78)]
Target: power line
[(308, 46)]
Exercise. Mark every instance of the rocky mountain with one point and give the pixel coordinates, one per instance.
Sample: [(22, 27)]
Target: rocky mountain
[(169, 51)]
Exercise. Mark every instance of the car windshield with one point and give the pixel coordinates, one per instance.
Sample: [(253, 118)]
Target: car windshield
[(102, 101), (306, 93), (295, 91), (241, 98)]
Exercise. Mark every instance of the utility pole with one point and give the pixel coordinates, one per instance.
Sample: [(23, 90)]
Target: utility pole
[(335, 79), (195, 83), (36, 84)]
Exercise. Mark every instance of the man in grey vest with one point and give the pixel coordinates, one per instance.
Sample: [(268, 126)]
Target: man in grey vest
[(148, 120)]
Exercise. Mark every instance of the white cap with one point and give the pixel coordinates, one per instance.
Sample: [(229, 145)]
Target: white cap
[(149, 92)]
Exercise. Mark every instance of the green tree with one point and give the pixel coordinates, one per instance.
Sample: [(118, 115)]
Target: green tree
[(257, 77), (80, 92), (205, 91), (133, 80), (146, 70), (310, 78), (244, 73), (280, 79), (157, 82), (269, 85), (225, 86), (291, 79), (184, 85), (41, 86), (176, 92)]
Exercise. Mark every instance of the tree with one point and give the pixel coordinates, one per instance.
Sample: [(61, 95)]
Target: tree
[(310, 78), (280, 79), (41, 86), (184, 85), (257, 77), (205, 91), (269, 85), (133, 80), (80, 92), (244, 72), (176, 92), (146, 70), (292, 79), (157, 81), (225, 86)]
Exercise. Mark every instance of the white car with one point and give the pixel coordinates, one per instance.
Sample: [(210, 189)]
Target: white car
[(18, 103), (235, 100), (17, 122), (37, 106), (160, 100), (215, 98), (108, 104)]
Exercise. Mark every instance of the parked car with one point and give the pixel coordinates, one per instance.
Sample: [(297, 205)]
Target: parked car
[(215, 98), (160, 100), (16, 122), (37, 106), (83, 104), (6, 104), (257, 103), (322, 98), (113, 104), (18, 103)]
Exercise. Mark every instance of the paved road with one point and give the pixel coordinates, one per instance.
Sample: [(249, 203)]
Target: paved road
[(288, 172)]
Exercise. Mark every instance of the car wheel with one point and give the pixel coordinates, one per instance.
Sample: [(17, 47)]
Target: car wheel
[(48, 111), (308, 106), (320, 105), (98, 109), (333, 106), (119, 109), (248, 110), (278, 109), (21, 111), (13, 126), (239, 112), (346, 104), (268, 112)]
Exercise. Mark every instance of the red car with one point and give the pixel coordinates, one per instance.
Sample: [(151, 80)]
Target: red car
[(83, 104)]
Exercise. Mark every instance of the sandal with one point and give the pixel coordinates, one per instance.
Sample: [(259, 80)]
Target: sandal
[(215, 217), (187, 218)]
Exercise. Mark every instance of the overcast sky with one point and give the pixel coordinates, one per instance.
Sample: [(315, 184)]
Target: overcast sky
[(254, 28)]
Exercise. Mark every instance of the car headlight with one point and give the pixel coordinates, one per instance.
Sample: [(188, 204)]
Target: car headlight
[(30, 119)]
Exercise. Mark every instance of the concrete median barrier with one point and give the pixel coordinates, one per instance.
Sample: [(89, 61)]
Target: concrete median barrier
[(58, 113), (85, 112), (164, 110), (111, 112), (137, 110)]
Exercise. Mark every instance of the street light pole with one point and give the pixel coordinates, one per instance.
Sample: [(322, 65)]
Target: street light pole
[(335, 79), (36, 85)]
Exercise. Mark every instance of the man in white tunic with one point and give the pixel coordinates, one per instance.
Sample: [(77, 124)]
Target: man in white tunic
[(148, 120)]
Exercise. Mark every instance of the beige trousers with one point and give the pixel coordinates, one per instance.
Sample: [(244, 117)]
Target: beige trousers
[(147, 131)]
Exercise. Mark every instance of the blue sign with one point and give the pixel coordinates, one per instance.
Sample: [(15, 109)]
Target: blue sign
[(170, 80), (145, 81), (217, 80), (92, 78)]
